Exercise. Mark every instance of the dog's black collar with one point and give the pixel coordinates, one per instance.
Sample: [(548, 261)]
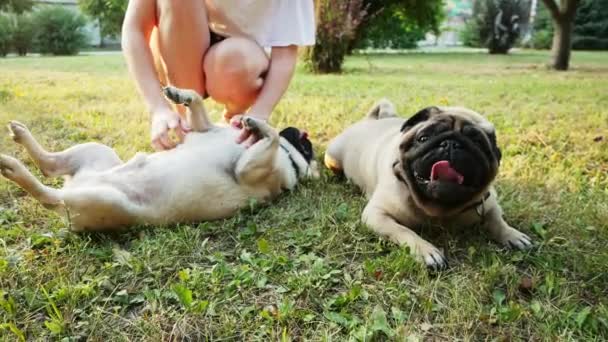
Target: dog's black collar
[(477, 205), (293, 162)]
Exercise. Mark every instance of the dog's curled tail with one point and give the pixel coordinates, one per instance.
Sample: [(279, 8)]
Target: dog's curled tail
[(384, 108)]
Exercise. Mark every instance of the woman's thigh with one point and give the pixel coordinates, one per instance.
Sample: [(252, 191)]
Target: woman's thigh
[(179, 43)]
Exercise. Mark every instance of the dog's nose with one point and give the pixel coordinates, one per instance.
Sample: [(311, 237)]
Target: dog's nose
[(450, 144)]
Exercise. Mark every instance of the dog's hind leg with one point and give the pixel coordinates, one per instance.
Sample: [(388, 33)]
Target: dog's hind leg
[(258, 161), (100, 207), (92, 156), (334, 154), (197, 115), (15, 171)]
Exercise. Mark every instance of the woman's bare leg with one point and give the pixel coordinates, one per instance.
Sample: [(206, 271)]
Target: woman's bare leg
[(180, 42), (234, 70)]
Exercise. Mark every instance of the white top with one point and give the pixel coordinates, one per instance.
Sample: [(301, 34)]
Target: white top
[(268, 22)]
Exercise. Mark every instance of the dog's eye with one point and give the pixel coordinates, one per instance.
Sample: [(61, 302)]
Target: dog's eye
[(423, 138)]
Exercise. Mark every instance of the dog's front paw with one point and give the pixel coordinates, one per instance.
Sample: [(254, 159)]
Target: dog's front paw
[(515, 239), (431, 256), (17, 131), (179, 96), (252, 124)]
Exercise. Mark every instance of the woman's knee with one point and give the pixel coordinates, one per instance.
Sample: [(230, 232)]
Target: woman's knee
[(238, 56), (234, 69)]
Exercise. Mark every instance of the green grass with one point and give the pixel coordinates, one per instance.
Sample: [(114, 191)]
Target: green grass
[(305, 267)]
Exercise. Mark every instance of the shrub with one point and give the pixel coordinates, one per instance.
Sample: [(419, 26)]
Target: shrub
[(589, 43), (22, 33), (59, 31), (591, 25), (5, 35), (469, 35), (542, 39)]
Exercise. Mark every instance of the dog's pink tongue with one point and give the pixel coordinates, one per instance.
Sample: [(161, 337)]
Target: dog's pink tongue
[(443, 171)]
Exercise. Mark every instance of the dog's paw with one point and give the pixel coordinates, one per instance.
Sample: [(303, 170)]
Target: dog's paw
[(515, 239), (431, 256), (17, 131), (251, 124), (179, 96), (10, 167)]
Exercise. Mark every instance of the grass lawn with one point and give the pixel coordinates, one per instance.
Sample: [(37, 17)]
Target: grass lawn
[(305, 267)]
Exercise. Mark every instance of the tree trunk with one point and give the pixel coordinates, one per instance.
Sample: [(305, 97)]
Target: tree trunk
[(102, 43), (562, 42), (563, 22)]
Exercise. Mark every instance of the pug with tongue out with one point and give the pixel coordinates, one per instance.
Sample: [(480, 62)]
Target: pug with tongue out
[(437, 166)]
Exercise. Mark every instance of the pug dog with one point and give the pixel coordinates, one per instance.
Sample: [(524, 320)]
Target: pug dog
[(436, 167), (207, 177)]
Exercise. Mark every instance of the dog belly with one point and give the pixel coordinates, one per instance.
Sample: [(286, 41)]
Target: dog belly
[(184, 186)]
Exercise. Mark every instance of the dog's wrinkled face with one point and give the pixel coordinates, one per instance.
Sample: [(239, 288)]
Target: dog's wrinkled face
[(448, 156)]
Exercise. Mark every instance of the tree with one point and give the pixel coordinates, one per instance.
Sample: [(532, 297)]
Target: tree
[(343, 23), (563, 19), (591, 25), (23, 33), (496, 24), (109, 14), (590, 31), (59, 31), (337, 21), (16, 6), (428, 14), (397, 23)]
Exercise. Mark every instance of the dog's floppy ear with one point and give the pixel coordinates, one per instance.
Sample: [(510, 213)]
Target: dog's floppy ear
[(495, 148), (419, 117), (299, 140)]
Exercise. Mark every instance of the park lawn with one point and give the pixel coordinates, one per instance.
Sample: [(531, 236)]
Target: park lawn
[(305, 268)]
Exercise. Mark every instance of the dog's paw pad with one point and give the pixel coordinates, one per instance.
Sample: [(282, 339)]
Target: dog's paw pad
[(9, 166)]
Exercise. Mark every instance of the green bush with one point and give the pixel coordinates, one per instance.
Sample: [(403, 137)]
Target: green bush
[(58, 31), (591, 25), (589, 43), (5, 35), (542, 39), (469, 35), (22, 33)]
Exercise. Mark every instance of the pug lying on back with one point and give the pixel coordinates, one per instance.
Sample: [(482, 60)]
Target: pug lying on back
[(212, 176), (438, 166)]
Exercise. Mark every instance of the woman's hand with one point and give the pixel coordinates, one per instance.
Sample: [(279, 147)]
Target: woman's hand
[(163, 122), (246, 137)]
